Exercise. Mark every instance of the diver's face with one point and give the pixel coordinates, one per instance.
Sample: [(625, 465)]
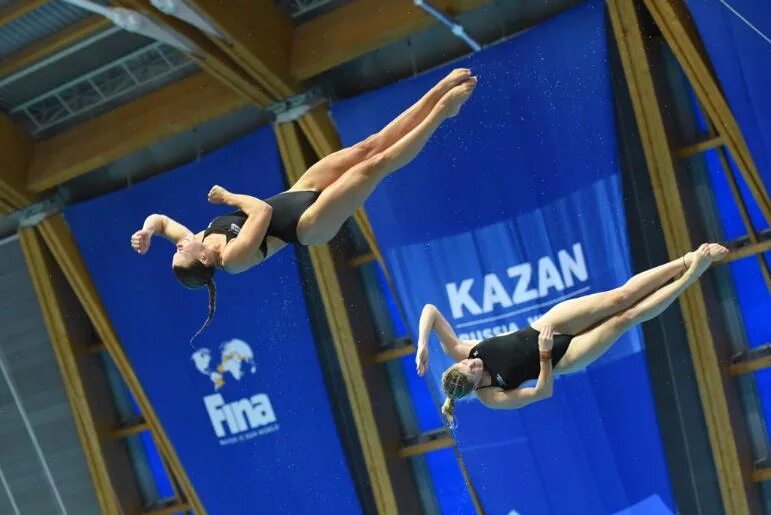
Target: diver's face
[(472, 369), (188, 251)]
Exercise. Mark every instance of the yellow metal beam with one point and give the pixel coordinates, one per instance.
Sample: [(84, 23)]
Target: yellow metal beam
[(443, 442), (734, 487), (5, 207), (119, 133), (741, 205), (17, 9), (207, 55), (698, 148), (322, 135), (258, 36), (677, 26), (744, 213), (123, 432), (324, 140), (320, 131), (195, 100), (347, 352), (60, 319), (359, 27), (15, 156), (749, 366), (761, 474), (392, 354), (173, 480), (56, 42), (59, 240), (362, 260), (748, 250)]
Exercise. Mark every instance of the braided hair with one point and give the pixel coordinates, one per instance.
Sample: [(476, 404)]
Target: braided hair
[(194, 276), (456, 385)]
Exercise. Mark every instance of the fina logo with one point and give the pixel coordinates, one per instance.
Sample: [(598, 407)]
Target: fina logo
[(242, 419)]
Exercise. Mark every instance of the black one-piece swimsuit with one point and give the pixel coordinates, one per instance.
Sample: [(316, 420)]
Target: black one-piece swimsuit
[(511, 359), (288, 207)]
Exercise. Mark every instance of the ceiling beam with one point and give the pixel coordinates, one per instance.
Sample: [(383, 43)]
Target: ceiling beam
[(207, 55), (677, 25), (320, 131), (5, 207), (257, 35), (445, 441), (296, 163), (56, 42), (360, 27), (263, 50), (162, 114), (18, 9), (322, 135), (84, 380), (726, 435), (61, 243), (15, 155)]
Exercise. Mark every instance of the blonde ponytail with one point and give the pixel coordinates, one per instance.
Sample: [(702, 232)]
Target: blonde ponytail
[(456, 385), (448, 410)]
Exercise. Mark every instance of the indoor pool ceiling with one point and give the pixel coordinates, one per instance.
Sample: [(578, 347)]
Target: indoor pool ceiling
[(62, 66)]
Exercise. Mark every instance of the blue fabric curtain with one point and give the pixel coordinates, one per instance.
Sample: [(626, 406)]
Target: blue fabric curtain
[(512, 207), (246, 410)]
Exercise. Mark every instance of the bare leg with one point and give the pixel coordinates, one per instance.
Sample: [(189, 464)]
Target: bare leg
[(575, 316), (587, 347), (324, 218), (330, 168)]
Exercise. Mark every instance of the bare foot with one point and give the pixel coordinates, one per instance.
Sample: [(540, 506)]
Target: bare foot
[(700, 262), (453, 78), (714, 251), (454, 99), (704, 256)]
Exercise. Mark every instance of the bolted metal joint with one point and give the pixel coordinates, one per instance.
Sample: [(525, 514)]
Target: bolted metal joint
[(32, 215)]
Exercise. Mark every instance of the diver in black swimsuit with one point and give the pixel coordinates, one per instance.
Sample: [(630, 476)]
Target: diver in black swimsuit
[(513, 358), (570, 336), (314, 209), (286, 210)]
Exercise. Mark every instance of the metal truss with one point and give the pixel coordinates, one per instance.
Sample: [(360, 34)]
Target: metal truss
[(98, 87), (297, 8)]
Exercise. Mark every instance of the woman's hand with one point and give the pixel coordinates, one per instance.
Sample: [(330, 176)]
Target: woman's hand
[(246, 203), (218, 194), (546, 338), (421, 360), (140, 240)]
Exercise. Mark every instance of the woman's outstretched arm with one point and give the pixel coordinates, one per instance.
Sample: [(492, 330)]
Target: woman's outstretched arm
[(158, 225), (432, 319), (246, 203)]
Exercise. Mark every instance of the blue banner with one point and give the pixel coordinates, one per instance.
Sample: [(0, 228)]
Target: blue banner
[(247, 409), (514, 206)]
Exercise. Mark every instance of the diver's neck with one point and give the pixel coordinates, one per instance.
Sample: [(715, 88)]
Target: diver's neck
[(486, 380), (216, 246)]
